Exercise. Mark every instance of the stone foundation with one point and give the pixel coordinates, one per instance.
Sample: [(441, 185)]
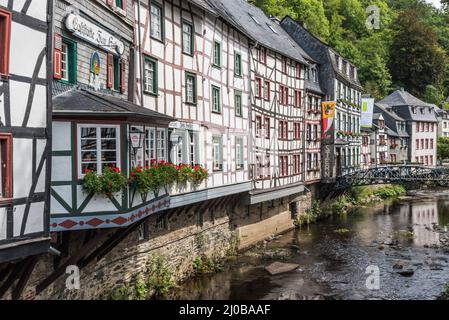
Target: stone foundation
[(179, 237)]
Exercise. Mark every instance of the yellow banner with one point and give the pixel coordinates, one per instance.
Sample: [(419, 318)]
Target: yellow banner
[(328, 109)]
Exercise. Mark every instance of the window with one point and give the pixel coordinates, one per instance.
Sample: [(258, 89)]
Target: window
[(283, 95), (283, 164), (272, 29), (298, 98), (238, 103), (190, 88), (6, 165), (297, 131), (263, 55), (5, 36), (160, 144), (283, 130), (150, 142), (156, 26), (258, 173), (284, 65), (187, 38), (117, 73), (216, 99), (120, 4), (150, 76), (98, 147), (310, 104), (431, 160), (267, 90), (298, 71), (68, 61), (258, 126), (417, 144), (296, 164), (217, 54), (239, 153), (431, 143), (217, 153), (237, 64), (258, 87)]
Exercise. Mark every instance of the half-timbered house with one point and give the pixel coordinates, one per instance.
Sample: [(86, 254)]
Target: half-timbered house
[(277, 97), (25, 133), (194, 66), (312, 124), (341, 147)]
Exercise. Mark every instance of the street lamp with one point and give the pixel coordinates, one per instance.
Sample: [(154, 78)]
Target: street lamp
[(136, 139)]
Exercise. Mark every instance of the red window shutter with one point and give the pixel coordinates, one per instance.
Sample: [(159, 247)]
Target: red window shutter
[(5, 36), (122, 76), (57, 57), (110, 75), (124, 5)]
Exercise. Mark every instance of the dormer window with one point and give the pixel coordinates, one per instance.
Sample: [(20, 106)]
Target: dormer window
[(272, 29), (254, 19)]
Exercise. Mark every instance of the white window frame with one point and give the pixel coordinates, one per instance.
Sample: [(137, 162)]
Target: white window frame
[(156, 26), (216, 105), (149, 81), (239, 153), (217, 153), (64, 62), (161, 144), (187, 44), (98, 149)]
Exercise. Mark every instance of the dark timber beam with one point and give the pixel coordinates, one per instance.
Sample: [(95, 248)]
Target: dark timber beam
[(26, 274), (73, 260)]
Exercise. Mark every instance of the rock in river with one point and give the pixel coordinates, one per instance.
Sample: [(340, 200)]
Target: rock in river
[(280, 267)]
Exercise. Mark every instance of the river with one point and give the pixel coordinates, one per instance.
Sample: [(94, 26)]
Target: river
[(333, 255)]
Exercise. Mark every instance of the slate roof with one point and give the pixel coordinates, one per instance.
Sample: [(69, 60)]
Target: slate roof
[(239, 12), (391, 132), (313, 43), (85, 102), (204, 5), (313, 86), (403, 103), (383, 108), (401, 97)]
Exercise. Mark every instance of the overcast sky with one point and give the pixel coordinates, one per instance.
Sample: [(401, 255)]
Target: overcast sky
[(436, 3)]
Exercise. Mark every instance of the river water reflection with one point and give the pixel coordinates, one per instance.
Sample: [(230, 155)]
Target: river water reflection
[(334, 255)]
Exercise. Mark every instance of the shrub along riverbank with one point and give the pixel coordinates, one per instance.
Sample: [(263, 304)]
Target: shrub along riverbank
[(356, 197)]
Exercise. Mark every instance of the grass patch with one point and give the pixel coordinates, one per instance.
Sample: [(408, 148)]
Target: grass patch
[(206, 265), (157, 280)]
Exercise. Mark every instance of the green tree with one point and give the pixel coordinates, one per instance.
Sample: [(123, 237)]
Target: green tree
[(443, 148), (416, 59), (432, 95)]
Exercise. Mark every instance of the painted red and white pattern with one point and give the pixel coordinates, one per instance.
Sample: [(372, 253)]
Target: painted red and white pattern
[(113, 220)]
